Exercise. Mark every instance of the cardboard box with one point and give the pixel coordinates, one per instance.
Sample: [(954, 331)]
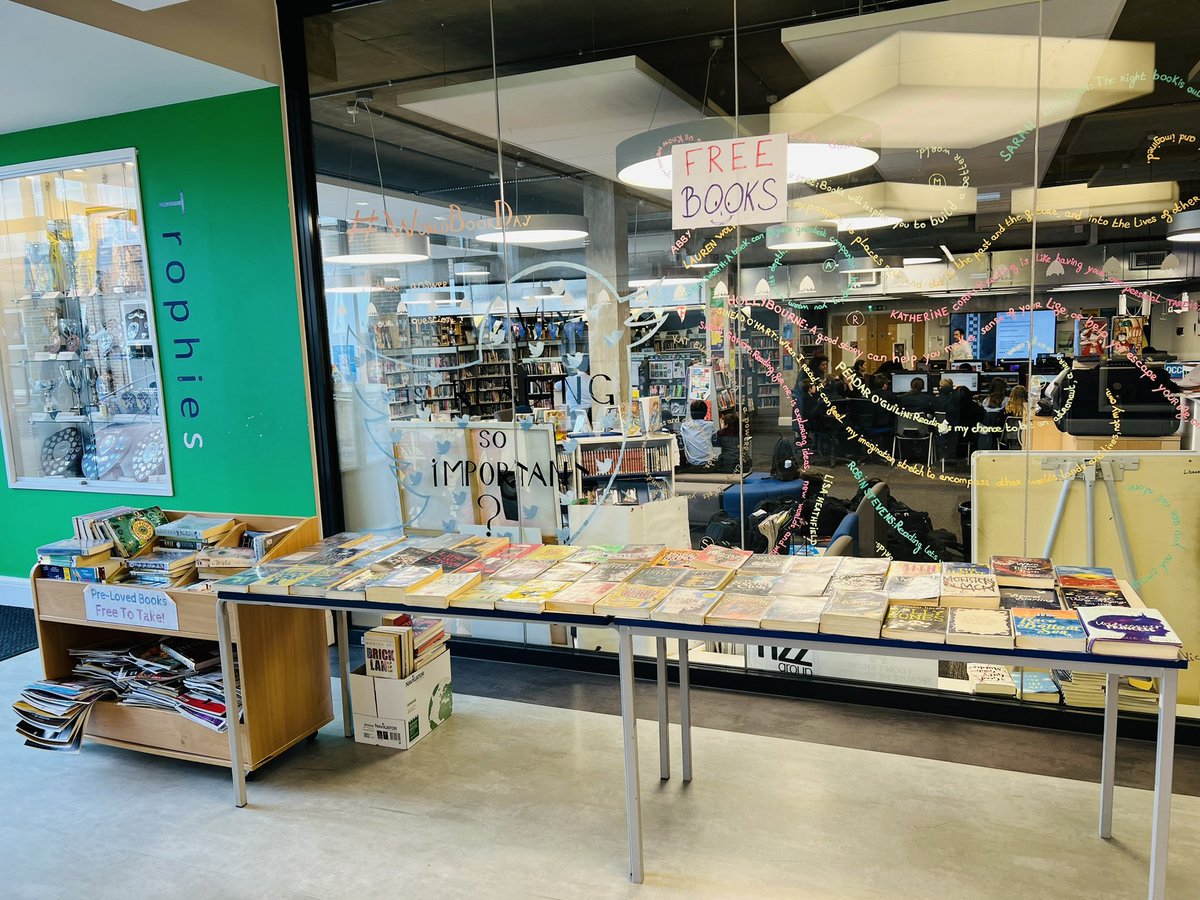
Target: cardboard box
[(398, 713)]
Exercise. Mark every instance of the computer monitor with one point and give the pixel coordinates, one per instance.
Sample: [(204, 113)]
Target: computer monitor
[(969, 380), (902, 381), (975, 364)]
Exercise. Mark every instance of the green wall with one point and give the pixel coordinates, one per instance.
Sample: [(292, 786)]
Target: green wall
[(227, 157)]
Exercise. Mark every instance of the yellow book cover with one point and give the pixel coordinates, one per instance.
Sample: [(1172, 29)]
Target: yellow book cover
[(552, 552), (632, 601)]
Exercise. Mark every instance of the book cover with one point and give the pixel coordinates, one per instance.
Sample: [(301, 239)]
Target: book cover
[(354, 587), (751, 584), (568, 570), (1036, 685), (483, 546), (193, 527), (913, 587), (537, 590), (131, 533), (847, 581), (484, 595), (279, 582), (794, 614), (405, 556), (324, 578), (1023, 571), (866, 604), (985, 627), (723, 557), (1048, 629), (523, 569), (614, 571), (765, 564), (553, 552), (678, 558), (706, 579), (686, 605), (516, 551), (1078, 598), (596, 553), (633, 601), (163, 560), (643, 553), (986, 678), (659, 576), (968, 584), (801, 585), (906, 569), (226, 557), (398, 583), (240, 582), (916, 623), (853, 565), (1117, 631), (486, 565), (75, 548), (449, 560), (1098, 578), (580, 597), (739, 610), (814, 565), (1029, 598)]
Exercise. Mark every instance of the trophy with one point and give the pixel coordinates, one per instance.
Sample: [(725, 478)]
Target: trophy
[(75, 382), (48, 386)]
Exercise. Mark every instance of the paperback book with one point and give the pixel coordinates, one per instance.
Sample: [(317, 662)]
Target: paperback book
[(643, 553), (739, 610), (855, 613), (1036, 686), (765, 564), (631, 601), (659, 576), (916, 623), (722, 557), (1079, 598), (1029, 598), (706, 579), (595, 554), (1116, 631), (552, 552), (580, 598), (197, 528), (969, 585), (795, 584), (751, 584), (484, 595), (913, 590), (1023, 571), (523, 569), (321, 581), (355, 587), (814, 565), (531, 596), (1048, 629), (438, 594), (977, 627), (614, 571), (684, 558), (800, 614), (988, 679), (399, 583), (280, 582), (686, 605), (1097, 578)]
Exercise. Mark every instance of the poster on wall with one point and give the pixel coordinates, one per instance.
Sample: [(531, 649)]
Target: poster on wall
[(742, 181), (1128, 335), (1090, 337)]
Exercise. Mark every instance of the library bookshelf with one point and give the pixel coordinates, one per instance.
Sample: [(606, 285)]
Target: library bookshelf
[(283, 663)]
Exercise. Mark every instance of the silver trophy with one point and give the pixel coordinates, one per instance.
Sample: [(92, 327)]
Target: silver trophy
[(48, 386), (75, 382)]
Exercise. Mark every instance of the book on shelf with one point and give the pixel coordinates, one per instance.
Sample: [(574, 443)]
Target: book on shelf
[(132, 532), (685, 605), (580, 598), (631, 601), (910, 622), (855, 613), (169, 561), (1029, 598), (1036, 686), (1048, 629), (197, 528), (980, 627), (1080, 598), (1098, 578), (739, 610), (800, 614), (1119, 631), (88, 527), (1023, 571), (438, 594), (396, 585), (991, 680), (113, 571), (969, 585), (531, 596), (226, 558), (1083, 689), (74, 552)]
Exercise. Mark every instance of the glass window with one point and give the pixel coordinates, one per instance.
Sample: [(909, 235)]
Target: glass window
[(81, 379)]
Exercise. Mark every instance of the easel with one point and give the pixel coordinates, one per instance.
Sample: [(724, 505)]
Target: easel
[(1108, 471)]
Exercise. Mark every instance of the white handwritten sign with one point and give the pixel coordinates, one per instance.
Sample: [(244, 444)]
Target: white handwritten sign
[(133, 606), (742, 181)]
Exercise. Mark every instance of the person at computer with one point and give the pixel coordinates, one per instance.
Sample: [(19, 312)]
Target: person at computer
[(993, 413), (960, 348), (1018, 402), (699, 436), (943, 397), (917, 399)]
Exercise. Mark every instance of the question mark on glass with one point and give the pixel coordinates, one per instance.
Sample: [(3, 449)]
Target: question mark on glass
[(479, 503)]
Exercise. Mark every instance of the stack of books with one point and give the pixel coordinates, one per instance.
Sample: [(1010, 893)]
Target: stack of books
[(52, 714), (402, 645), (1084, 689), (855, 613), (81, 559)]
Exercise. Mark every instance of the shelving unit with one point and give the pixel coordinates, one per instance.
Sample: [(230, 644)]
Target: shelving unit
[(647, 459), (283, 663)]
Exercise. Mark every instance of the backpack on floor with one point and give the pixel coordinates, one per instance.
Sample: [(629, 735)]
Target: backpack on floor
[(783, 461), (722, 531)]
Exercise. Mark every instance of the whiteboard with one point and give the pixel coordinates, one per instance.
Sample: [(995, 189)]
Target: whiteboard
[(1013, 504)]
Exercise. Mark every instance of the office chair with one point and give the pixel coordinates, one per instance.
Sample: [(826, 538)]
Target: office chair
[(908, 431)]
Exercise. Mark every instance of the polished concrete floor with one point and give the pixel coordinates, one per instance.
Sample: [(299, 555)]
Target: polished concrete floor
[(515, 799)]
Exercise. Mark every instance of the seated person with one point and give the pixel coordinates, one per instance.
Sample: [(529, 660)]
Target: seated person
[(699, 437), (917, 399), (943, 397), (883, 421), (1017, 402), (731, 426)]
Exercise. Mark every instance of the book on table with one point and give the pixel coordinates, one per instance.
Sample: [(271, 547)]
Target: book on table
[(321, 581), (706, 579), (969, 585), (739, 610), (280, 581), (484, 595), (1030, 598), (643, 553), (918, 589), (853, 565), (594, 554), (613, 571), (581, 598), (355, 587), (240, 582), (975, 627), (568, 570), (1118, 631), (1049, 629), (405, 556), (552, 553), (399, 583), (439, 593), (911, 622), (751, 584), (486, 565), (449, 560), (516, 551), (631, 601), (1099, 578), (814, 565), (765, 564), (523, 569), (1079, 598), (670, 557), (659, 576), (801, 584), (719, 557), (857, 581), (687, 606), (855, 613), (484, 546), (794, 613), (531, 596), (1023, 571)]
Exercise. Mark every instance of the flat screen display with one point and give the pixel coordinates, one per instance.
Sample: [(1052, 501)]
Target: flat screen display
[(1012, 334), (902, 381), (969, 380)]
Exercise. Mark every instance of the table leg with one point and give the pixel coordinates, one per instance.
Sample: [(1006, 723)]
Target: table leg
[(1163, 769), (343, 646), (685, 710), (664, 713), (1108, 766), (633, 789), (233, 727)]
